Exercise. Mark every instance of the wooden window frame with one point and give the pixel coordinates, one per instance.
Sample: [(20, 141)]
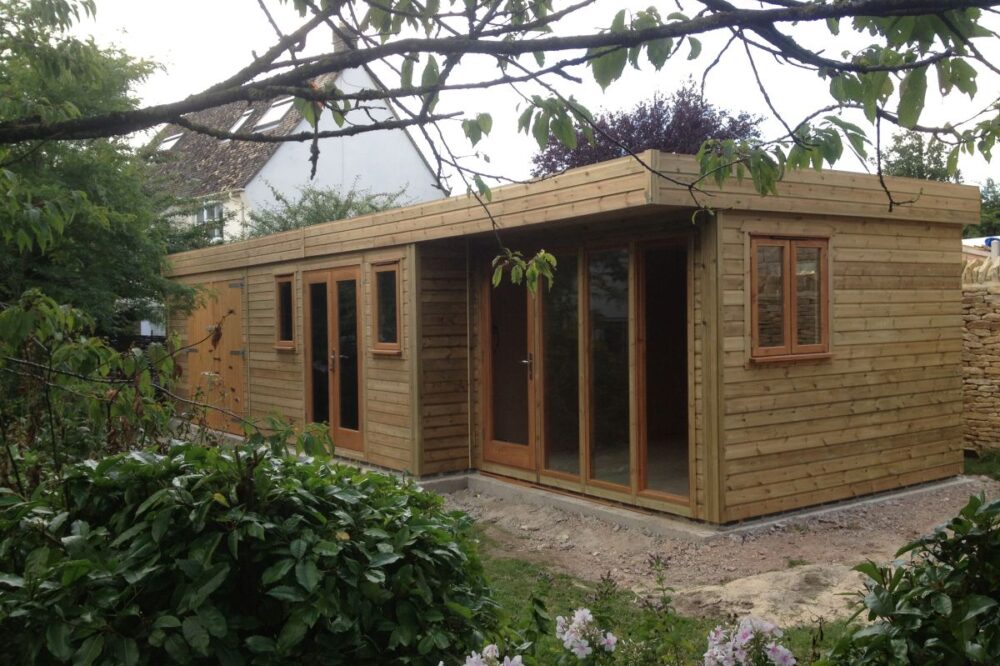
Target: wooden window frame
[(279, 343), (791, 350), (378, 347)]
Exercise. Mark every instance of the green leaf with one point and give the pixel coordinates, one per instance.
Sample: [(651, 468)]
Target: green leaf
[(976, 604), (658, 50), (383, 559), (292, 633), (307, 574), (609, 66), (57, 640), (286, 593), (497, 277), (196, 635), (562, 128), (166, 622), (213, 621), (431, 73), (10, 580), (89, 651), (485, 121), (406, 73), (912, 92), (260, 644), (695, 48), (277, 571), (127, 652)]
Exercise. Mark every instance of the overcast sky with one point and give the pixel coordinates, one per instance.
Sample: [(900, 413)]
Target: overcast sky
[(199, 42)]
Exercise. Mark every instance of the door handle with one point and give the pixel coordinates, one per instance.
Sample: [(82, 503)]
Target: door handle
[(530, 362), (333, 362)]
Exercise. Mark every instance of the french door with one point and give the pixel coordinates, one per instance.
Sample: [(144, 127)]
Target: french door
[(331, 301), (587, 380)]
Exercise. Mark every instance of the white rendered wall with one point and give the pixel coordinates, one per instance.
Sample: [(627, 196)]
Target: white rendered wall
[(381, 161)]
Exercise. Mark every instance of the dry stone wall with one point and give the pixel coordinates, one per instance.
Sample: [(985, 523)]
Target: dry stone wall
[(981, 354)]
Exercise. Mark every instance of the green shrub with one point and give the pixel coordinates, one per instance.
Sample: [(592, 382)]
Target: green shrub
[(940, 607), (235, 557)]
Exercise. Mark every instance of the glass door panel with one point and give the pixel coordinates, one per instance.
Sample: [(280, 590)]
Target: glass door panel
[(561, 368), (319, 355), (510, 366), (663, 361), (608, 333), (347, 361)]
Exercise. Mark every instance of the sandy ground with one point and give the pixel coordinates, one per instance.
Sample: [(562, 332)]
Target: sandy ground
[(792, 571)]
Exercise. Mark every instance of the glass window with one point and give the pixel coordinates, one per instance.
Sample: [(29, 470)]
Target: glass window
[(561, 364), (386, 307), (789, 296), (274, 114), (284, 312), (608, 299), (170, 141)]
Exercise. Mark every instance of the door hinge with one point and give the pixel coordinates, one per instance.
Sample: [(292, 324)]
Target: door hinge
[(236, 285)]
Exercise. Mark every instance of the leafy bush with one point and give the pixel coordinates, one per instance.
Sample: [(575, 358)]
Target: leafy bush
[(66, 395), (238, 557), (941, 607)]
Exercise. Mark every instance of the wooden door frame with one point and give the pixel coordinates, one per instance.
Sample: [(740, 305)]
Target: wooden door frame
[(351, 440), (522, 456), (687, 243)]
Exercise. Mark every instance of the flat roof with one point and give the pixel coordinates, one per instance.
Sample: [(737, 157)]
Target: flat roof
[(605, 190)]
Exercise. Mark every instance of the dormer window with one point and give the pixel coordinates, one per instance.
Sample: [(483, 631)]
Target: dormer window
[(274, 114), (170, 141), (241, 121)]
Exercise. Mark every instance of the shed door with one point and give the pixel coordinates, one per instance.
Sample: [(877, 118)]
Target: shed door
[(216, 369)]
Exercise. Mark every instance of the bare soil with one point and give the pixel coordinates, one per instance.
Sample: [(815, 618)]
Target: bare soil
[(791, 571)]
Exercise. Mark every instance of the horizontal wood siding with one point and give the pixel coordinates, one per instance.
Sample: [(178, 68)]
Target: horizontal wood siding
[(275, 377), (885, 410), (444, 359)]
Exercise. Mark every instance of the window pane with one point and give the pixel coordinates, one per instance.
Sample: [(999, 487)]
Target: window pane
[(666, 361), (347, 339), (562, 368), (285, 331), (808, 316), (385, 284), (609, 343), (508, 356), (770, 296), (320, 361)]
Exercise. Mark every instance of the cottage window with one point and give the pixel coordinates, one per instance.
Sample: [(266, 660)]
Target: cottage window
[(284, 312), (789, 296), (212, 215), (385, 316)]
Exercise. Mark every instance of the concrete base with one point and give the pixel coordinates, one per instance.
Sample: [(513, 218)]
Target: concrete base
[(659, 524)]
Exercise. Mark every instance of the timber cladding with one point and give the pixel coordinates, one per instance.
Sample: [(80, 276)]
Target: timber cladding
[(275, 376), (884, 410), (872, 403)]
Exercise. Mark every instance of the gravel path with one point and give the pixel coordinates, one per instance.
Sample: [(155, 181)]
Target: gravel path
[(790, 571)]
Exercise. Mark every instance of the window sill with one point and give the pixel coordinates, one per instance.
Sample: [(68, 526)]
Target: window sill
[(790, 358), (387, 352), (284, 348)]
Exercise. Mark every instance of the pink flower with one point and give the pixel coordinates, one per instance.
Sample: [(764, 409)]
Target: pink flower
[(475, 659), (609, 641), (516, 661), (779, 655), (491, 651), (582, 616)]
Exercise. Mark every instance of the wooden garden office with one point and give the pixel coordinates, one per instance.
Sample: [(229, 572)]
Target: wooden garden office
[(782, 352)]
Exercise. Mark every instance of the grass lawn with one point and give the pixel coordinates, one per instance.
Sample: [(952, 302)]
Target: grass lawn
[(987, 464), (514, 581)]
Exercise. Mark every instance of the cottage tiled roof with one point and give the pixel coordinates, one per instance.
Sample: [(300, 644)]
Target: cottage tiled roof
[(199, 165)]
